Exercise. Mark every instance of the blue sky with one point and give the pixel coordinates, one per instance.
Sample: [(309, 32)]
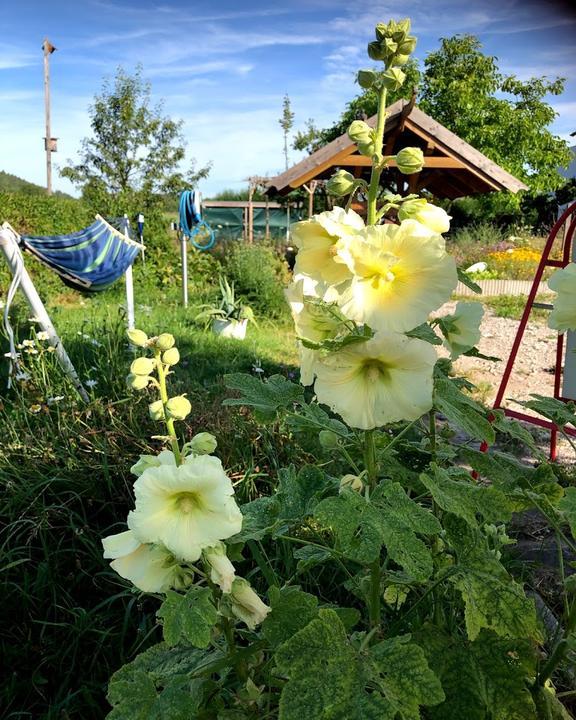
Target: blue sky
[(223, 67)]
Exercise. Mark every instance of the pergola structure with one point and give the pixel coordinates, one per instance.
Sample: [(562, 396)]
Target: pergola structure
[(452, 167)]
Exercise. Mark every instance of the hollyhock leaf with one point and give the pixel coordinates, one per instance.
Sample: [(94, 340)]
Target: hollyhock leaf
[(426, 333), (267, 396), (325, 678), (292, 610), (559, 412), (401, 670), (462, 410), (465, 279), (465, 498), (188, 618), (568, 507)]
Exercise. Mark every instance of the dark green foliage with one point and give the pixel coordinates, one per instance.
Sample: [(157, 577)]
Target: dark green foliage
[(260, 276)]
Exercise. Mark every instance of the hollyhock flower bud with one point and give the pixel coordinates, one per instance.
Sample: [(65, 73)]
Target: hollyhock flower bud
[(328, 439), (246, 604), (462, 329), (340, 184), (222, 572), (434, 218), (165, 341), (156, 410), (142, 366), (203, 443), (171, 356), (351, 482), (362, 134), (410, 160), (137, 337), (137, 382), (178, 407)]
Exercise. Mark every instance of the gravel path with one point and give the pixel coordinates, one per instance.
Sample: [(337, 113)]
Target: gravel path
[(533, 370)]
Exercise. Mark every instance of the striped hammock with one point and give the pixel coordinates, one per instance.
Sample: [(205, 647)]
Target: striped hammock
[(90, 259)]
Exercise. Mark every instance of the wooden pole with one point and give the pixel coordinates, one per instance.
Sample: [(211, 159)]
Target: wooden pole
[(48, 49)]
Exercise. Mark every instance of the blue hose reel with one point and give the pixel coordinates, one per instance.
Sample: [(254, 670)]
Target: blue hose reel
[(192, 225)]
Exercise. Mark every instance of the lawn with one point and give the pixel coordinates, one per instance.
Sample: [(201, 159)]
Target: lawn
[(68, 620)]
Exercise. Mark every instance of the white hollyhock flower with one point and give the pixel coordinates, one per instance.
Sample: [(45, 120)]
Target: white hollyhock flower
[(462, 329), (186, 508), (316, 239), (563, 282), (383, 380), (246, 604), (150, 567), (165, 457), (222, 571), (401, 273)]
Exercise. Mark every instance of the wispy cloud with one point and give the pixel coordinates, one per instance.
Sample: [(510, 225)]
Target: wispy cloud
[(12, 57)]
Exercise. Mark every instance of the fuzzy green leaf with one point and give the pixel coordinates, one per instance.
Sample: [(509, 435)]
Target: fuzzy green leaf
[(568, 506), (259, 518), (402, 672), (298, 491), (464, 498), (465, 279), (265, 396), (426, 333), (491, 597), (292, 610), (312, 418), (484, 680), (460, 409), (391, 519), (559, 412), (188, 618), (325, 681), (309, 556), (515, 430)]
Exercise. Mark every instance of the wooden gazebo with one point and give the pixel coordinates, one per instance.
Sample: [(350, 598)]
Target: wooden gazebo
[(452, 169)]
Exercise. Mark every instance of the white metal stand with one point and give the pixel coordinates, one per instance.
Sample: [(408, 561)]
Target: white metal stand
[(184, 256), (129, 281), (13, 255)]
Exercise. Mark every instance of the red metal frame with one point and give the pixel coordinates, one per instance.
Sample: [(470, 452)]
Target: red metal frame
[(567, 218)]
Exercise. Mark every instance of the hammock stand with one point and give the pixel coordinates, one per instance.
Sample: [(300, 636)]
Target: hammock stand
[(89, 260)]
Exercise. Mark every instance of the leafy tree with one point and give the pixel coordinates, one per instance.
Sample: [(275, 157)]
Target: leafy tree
[(361, 107), (286, 122), (505, 118), (133, 159)]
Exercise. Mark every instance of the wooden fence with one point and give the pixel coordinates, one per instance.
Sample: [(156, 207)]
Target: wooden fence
[(501, 287)]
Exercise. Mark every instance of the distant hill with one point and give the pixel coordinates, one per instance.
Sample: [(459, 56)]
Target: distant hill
[(12, 184)]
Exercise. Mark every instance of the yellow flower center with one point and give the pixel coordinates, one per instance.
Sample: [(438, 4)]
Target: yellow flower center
[(188, 502), (374, 370)]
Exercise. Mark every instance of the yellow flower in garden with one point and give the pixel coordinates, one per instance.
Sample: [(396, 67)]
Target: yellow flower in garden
[(150, 567), (312, 322), (186, 508), (246, 604), (462, 329), (563, 282), (401, 273), (316, 240), (383, 380)]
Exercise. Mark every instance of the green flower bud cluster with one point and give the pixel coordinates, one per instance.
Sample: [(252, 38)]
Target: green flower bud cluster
[(364, 136), (143, 369), (393, 44), (343, 183)]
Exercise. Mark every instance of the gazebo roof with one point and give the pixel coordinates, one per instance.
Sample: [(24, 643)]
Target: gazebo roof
[(452, 168)]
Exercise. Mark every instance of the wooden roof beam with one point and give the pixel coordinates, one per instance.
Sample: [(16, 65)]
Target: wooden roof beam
[(429, 162)]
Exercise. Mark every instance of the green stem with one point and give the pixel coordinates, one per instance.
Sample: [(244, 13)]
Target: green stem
[(376, 169), (374, 605), (370, 459), (432, 433), (560, 651), (164, 397)]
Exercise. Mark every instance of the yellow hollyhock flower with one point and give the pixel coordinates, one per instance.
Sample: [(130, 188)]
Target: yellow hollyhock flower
[(462, 329), (246, 604), (400, 274), (185, 508), (316, 239), (150, 567), (383, 380), (563, 282)]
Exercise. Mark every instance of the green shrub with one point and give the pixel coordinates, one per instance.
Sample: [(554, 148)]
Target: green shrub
[(260, 276)]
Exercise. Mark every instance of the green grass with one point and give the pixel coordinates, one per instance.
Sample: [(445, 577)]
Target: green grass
[(512, 306), (68, 621)]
